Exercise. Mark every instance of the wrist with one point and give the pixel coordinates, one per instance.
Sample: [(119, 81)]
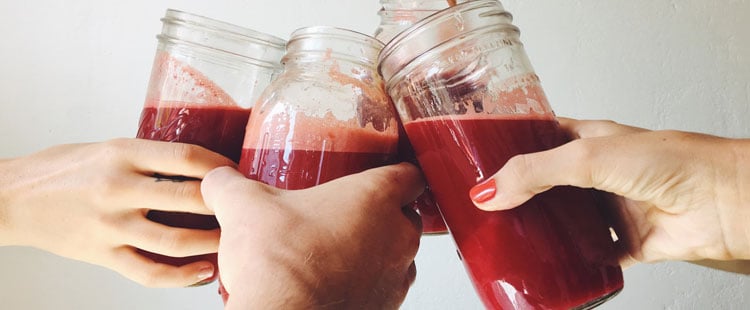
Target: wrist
[(736, 211), (272, 285), (11, 190), (5, 202)]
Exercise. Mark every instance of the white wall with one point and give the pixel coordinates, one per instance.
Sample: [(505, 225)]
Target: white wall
[(75, 71)]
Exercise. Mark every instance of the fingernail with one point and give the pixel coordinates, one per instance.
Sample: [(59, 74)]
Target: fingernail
[(205, 275), (206, 272), (484, 191)]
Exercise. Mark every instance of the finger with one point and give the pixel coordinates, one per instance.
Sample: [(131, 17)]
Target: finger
[(171, 158), (134, 266), (411, 274), (393, 185), (170, 241), (581, 129), (524, 176), (166, 195)]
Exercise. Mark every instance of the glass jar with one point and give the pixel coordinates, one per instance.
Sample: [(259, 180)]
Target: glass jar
[(469, 101), (397, 15), (326, 116), (206, 76)]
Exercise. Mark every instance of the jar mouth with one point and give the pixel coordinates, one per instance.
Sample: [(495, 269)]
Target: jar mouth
[(212, 34), (178, 16), (418, 5), (334, 42), (458, 21)]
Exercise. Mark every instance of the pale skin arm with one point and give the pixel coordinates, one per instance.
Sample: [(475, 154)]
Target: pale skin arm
[(677, 195), (89, 202), (346, 244)]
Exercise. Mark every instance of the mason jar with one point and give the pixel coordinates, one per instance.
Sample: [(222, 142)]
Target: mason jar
[(326, 116), (205, 79), (470, 100)]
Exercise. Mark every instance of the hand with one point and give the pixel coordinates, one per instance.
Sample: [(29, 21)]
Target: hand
[(679, 195), (89, 202), (344, 244)]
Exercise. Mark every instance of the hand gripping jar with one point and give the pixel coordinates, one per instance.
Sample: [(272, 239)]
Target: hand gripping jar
[(469, 101), (206, 76)]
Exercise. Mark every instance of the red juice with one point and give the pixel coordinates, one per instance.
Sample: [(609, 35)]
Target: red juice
[(298, 151), (432, 221), (300, 169), (553, 252), (219, 128)]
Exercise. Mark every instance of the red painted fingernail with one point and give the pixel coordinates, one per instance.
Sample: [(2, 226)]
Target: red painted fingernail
[(484, 191)]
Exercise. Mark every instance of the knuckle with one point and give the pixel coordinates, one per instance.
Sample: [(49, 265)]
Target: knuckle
[(189, 190), (375, 184), (582, 154), (110, 187), (116, 146), (184, 152), (517, 166), (147, 274), (409, 243), (171, 241), (151, 277)]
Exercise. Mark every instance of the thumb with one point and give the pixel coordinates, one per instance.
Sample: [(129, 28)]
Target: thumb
[(524, 176), (225, 188), (214, 185)]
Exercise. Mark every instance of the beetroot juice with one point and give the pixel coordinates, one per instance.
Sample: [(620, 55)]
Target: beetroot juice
[(425, 205), (298, 151), (306, 168), (218, 128), (511, 255)]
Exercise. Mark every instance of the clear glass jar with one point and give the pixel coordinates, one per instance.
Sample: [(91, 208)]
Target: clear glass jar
[(397, 15), (326, 116), (469, 100), (206, 76)]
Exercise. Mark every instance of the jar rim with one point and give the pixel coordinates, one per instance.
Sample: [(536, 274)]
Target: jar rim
[(437, 29), (298, 39), (177, 16), (417, 5), (332, 31)]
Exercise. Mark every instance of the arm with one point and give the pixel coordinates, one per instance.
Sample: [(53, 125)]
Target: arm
[(345, 244), (54, 199), (679, 195)]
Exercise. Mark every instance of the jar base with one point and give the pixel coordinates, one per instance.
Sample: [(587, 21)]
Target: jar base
[(597, 302)]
